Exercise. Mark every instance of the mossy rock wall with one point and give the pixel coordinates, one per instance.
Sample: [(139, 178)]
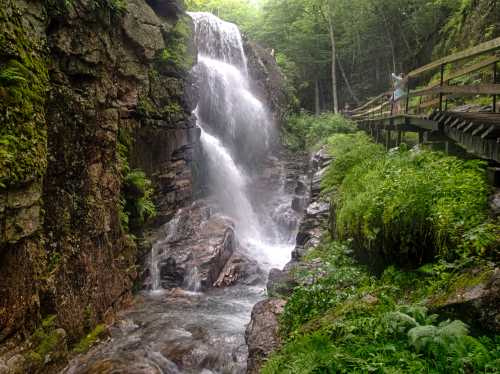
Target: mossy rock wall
[(89, 67)]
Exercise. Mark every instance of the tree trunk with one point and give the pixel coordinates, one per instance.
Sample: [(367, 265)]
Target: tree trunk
[(348, 85), (334, 62), (317, 109)]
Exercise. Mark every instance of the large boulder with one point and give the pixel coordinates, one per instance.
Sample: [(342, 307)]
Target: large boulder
[(269, 83), (192, 249), (474, 297), (262, 333)]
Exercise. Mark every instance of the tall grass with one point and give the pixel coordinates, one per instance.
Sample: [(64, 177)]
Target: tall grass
[(407, 206)]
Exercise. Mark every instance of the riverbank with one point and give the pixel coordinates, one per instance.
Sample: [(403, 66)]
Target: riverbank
[(358, 299)]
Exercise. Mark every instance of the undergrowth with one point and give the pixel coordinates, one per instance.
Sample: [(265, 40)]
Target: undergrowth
[(349, 321), (303, 131), (421, 209), (408, 206), (136, 204)]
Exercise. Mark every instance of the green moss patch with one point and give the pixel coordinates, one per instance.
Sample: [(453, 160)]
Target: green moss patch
[(48, 343), (177, 54), (90, 339), (23, 88)]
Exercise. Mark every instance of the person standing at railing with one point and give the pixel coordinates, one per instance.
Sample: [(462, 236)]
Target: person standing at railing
[(399, 84)]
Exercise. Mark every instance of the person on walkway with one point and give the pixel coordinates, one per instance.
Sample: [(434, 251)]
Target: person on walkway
[(399, 84)]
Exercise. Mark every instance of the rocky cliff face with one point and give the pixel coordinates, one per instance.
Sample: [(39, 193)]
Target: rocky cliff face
[(269, 83), (89, 90)]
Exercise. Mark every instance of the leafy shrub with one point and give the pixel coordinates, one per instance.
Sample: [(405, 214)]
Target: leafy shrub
[(383, 333), (90, 339), (310, 301), (348, 150), (407, 206), (303, 131), (136, 200)]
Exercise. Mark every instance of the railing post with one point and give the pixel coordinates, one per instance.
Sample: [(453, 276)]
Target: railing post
[(441, 85), (495, 79), (407, 97)]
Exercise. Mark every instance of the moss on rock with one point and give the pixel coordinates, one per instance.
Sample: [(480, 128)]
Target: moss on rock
[(178, 54), (23, 86)]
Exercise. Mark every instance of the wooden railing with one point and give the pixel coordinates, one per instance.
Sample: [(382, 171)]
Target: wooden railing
[(437, 95)]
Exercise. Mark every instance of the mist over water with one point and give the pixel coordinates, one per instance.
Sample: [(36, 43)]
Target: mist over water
[(236, 135)]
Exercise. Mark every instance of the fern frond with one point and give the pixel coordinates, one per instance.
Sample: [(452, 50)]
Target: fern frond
[(421, 336), (453, 329)]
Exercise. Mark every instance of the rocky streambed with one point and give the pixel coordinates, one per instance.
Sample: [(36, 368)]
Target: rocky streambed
[(262, 335), (195, 322)]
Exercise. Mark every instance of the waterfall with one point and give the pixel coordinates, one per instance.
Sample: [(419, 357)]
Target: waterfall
[(229, 185), (219, 39), (236, 126), (236, 138)]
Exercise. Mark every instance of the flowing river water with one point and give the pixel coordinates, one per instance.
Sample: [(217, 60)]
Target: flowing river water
[(194, 327)]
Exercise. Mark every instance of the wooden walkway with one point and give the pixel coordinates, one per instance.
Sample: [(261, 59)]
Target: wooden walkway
[(436, 111)]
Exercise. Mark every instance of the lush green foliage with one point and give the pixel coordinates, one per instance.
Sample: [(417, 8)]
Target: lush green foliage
[(137, 203), (343, 281), (46, 340), (348, 151), (303, 131), (90, 339), (23, 87), (408, 205), (360, 324)]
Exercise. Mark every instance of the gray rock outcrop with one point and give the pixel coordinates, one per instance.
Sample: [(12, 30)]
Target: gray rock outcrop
[(262, 332)]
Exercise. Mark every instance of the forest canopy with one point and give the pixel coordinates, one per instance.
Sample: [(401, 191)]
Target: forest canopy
[(359, 42)]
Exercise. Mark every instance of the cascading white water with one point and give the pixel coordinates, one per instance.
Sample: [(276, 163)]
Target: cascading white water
[(219, 39), (178, 331), (230, 111), (236, 137), (236, 126), (229, 185)]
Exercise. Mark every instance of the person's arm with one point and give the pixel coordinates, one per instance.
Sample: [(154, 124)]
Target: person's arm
[(396, 77)]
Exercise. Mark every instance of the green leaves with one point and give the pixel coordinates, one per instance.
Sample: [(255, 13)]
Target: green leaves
[(305, 131), (349, 322), (136, 201), (406, 207)]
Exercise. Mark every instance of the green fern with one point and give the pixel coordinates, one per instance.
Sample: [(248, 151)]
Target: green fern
[(12, 76)]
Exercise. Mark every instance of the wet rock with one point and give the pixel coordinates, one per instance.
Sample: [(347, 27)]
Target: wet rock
[(16, 364), (262, 335), (280, 282), (4, 369), (240, 269), (269, 82), (102, 97), (317, 211), (474, 297), (143, 27), (166, 8), (197, 243), (495, 203), (171, 276)]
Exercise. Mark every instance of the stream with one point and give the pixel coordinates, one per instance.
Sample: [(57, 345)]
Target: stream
[(243, 226)]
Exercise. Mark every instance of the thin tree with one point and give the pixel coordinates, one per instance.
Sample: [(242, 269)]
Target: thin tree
[(329, 20)]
